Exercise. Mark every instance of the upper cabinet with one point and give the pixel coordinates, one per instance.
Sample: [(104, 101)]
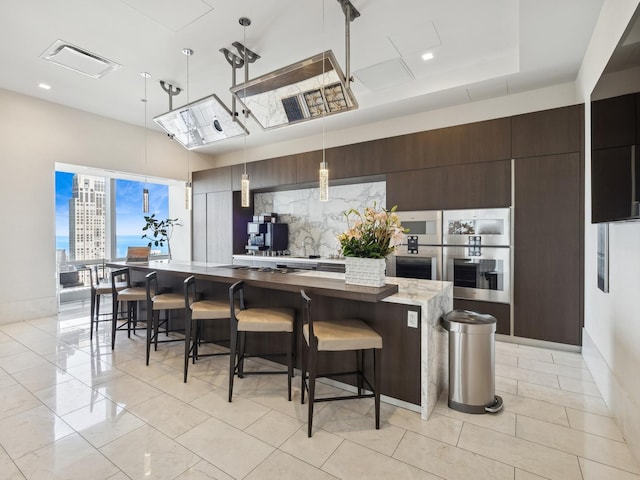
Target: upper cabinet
[(613, 122), (266, 173), (213, 180), (463, 144), (479, 185), (548, 132)]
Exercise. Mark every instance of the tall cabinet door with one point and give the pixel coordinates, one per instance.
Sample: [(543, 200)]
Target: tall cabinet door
[(199, 222), (548, 248), (219, 231)]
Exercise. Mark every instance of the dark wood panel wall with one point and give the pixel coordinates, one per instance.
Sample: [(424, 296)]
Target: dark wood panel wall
[(469, 166)]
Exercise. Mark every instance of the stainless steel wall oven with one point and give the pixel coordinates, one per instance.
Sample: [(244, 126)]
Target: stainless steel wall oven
[(477, 253), (420, 256)]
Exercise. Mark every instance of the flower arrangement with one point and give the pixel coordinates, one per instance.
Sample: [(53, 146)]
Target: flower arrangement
[(375, 233)]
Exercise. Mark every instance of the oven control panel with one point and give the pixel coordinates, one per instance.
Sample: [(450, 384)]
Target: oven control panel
[(412, 244)]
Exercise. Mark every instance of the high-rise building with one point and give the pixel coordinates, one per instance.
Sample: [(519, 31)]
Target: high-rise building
[(87, 218)]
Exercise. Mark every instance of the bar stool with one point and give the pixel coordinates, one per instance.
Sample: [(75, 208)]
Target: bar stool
[(338, 336), (157, 301), (99, 288), (122, 291), (257, 320), (196, 310)]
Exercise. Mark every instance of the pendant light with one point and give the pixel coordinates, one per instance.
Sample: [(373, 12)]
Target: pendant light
[(188, 187), (145, 190), (245, 201), (323, 172)]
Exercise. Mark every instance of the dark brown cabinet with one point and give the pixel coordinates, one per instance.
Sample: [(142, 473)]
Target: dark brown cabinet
[(613, 122), (547, 132), (417, 189), (501, 312), (548, 248), (480, 185), (266, 173), (213, 180), (462, 144)]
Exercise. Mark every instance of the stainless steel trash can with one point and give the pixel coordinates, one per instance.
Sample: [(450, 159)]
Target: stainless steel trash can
[(472, 362)]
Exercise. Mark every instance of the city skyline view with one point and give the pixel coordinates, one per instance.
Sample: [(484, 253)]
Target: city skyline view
[(128, 218)]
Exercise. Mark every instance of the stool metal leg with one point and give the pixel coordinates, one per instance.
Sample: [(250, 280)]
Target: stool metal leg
[(312, 387), (377, 375)]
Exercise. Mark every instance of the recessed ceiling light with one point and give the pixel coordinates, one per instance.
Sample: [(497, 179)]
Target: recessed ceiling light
[(427, 56), (44, 86)]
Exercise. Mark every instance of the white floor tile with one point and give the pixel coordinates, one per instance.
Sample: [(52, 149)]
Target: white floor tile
[(358, 428), (586, 445), (15, 399), (69, 458), (450, 462), (315, 450), (579, 386), (274, 428), (147, 453), (30, 430), (203, 470), (555, 369), (564, 398), (68, 396), (123, 420), (596, 424), (528, 456), (169, 415), (285, 467), (8, 469), (231, 450), (351, 461), (597, 471), (102, 422)]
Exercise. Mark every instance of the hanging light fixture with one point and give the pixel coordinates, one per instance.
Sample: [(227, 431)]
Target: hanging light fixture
[(245, 201), (188, 188), (145, 190), (323, 172)]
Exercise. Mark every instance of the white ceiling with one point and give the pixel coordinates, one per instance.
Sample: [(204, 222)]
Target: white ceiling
[(481, 49)]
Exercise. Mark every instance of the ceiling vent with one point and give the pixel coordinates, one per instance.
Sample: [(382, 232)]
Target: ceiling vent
[(79, 60)]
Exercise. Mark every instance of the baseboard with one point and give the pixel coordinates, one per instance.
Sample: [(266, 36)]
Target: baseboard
[(31, 309), (625, 410)]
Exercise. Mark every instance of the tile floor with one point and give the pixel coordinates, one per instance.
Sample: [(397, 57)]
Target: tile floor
[(71, 408)]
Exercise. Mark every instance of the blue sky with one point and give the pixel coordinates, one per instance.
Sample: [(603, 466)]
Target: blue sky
[(129, 216)]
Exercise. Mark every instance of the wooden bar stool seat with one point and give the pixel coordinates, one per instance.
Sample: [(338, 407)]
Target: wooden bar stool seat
[(257, 320), (195, 311), (338, 336)]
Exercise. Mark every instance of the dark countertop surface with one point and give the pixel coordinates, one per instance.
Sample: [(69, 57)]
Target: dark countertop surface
[(291, 281)]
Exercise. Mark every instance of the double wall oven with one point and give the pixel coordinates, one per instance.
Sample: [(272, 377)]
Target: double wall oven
[(470, 248)]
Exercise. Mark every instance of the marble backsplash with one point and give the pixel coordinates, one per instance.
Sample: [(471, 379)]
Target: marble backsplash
[(314, 225)]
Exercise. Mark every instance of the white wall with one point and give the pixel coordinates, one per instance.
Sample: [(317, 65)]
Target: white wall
[(34, 135), (611, 338)]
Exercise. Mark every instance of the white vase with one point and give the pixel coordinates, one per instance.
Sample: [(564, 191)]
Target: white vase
[(365, 271)]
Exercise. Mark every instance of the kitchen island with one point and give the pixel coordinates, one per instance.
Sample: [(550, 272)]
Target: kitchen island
[(414, 359)]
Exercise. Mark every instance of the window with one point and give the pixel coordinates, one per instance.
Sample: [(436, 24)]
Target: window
[(129, 218), (83, 216)]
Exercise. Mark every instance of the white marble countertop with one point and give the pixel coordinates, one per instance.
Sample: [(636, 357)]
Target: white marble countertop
[(411, 291)]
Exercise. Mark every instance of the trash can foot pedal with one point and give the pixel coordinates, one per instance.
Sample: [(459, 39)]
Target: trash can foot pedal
[(496, 406)]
